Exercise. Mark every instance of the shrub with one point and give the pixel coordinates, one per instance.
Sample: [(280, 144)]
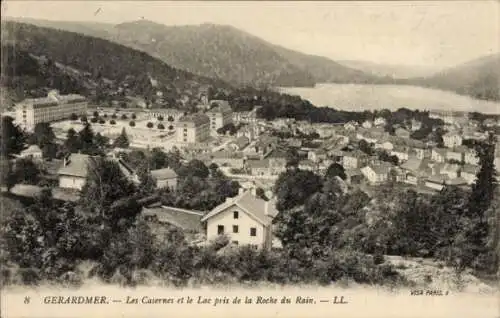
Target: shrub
[(134, 116), (95, 114), (94, 120), (105, 116), (149, 125), (132, 123), (83, 119), (160, 118), (378, 258), (114, 116), (170, 118), (160, 126), (73, 116), (112, 122), (124, 116), (170, 127), (102, 121)]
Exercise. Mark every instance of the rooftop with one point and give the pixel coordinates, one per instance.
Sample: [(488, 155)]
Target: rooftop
[(182, 218), (198, 119), (263, 211), (76, 165), (165, 173)]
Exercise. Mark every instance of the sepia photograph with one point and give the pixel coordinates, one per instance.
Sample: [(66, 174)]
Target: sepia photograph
[(250, 159)]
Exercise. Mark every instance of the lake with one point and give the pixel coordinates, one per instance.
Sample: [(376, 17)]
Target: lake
[(369, 97)]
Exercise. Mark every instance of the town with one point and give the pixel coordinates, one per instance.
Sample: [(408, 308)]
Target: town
[(248, 150)]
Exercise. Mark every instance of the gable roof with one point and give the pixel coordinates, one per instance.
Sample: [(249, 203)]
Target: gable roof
[(260, 210), (77, 166), (165, 173), (184, 219), (198, 119)]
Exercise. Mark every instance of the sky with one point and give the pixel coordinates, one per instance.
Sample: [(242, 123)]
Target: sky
[(426, 33)]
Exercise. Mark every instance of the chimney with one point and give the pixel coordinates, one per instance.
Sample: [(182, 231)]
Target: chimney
[(241, 191), (254, 191)]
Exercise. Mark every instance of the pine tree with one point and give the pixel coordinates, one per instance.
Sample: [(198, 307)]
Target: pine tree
[(122, 140)]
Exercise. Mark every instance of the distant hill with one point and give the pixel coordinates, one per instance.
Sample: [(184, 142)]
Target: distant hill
[(215, 51), (395, 71), (95, 64), (224, 52), (478, 78)]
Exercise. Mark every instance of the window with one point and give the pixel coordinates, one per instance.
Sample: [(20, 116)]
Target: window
[(235, 242), (235, 214), (220, 229), (253, 231), (235, 229)]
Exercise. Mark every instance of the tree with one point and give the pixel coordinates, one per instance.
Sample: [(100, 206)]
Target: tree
[(105, 184), (95, 114), (114, 116), (170, 118), (292, 157), (102, 121), (134, 116), (149, 125), (365, 147), (73, 116), (105, 116), (124, 117), (72, 142), (194, 168), (160, 118), (94, 120), (83, 119), (335, 170), (7, 174), (170, 127), (122, 140), (26, 171), (132, 123), (160, 126), (112, 122), (293, 187), (12, 138)]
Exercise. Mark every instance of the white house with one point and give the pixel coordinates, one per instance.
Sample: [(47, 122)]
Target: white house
[(379, 121), (367, 124), (469, 173), (165, 178), (351, 126), (438, 155), (245, 219), (73, 173), (377, 173), (470, 157), (401, 152), (452, 140)]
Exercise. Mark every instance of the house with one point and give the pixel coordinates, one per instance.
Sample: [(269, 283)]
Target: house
[(469, 173), (451, 170), (227, 158), (73, 173), (377, 173), (354, 176), (415, 125), (386, 145), (165, 178), (308, 165), (438, 155), (489, 122), (455, 155), (415, 170), (193, 128), (245, 219), (258, 167), (239, 144), (380, 122), (220, 115), (452, 140), (471, 157), (250, 132), (436, 182), (277, 162), (317, 155), (351, 126), (367, 124), (34, 152), (402, 152), (354, 159), (402, 133), (264, 146)]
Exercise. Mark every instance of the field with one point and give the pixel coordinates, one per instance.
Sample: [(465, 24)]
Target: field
[(371, 97)]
